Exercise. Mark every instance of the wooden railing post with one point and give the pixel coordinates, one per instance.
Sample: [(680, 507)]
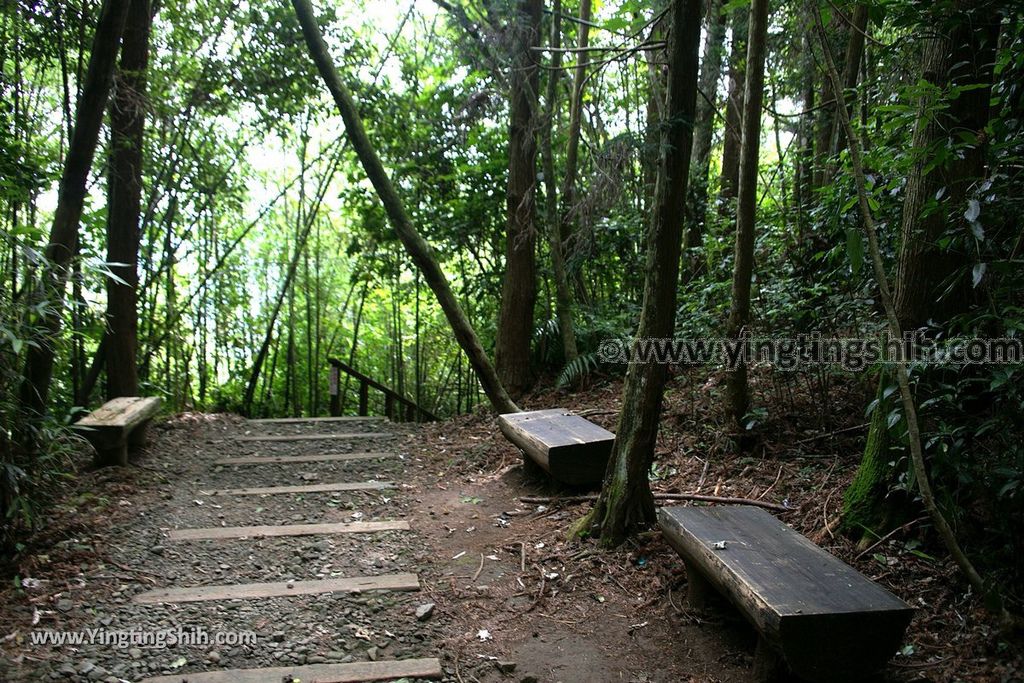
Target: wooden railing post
[(364, 399), (335, 391), (389, 406)]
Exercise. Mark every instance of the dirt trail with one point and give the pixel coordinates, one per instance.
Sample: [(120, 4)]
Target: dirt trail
[(513, 599)]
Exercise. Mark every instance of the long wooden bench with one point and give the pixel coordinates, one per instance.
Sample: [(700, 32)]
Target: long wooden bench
[(571, 449), (817, 617), (116, 426)]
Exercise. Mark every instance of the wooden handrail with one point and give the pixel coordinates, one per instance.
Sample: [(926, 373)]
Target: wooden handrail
[(412, 411)]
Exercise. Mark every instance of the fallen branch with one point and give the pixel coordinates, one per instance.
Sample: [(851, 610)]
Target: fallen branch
[(828, 434), (721, 500)]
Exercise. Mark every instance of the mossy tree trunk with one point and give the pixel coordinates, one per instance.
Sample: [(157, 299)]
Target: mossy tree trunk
[(958, 53), (626, 503)]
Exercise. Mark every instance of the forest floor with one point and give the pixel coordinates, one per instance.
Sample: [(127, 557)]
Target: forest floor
[(514, 599)]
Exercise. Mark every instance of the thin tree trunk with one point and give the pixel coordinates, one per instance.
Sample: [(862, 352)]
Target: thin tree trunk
[(734, 113), (851, 69), (567, 215), (354, 346), (625, 502), (704, 128), (63, 240), (421, 253), (127, 131), (563, 294), (736, 396)]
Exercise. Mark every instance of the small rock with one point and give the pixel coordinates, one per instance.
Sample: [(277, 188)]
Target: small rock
[(372, 653), (157, 550), (135, 653), (65, 605), (315, 659), (277, 637), (86, 666), (529, 678), (425, 611), (505, 667), (213, 657)]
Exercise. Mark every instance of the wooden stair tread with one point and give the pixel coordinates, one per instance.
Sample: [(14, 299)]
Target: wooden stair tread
[(314, 437), (356, 672), (321, 457), (286, 530), (241, 591), (302, 488)]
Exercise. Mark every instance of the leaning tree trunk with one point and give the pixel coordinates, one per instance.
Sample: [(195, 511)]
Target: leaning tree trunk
[(63, 241), (734, 113), (421, 253), (127, 130), (736, 396), (704, 128), (519, 287), (960, 57), (626, 503), (563, 294)]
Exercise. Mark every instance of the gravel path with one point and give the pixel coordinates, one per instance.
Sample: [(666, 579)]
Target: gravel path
[(311, 629)]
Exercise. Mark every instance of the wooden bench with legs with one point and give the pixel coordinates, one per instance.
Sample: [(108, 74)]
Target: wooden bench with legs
[(571, 449), (116, 426), (818, 618)]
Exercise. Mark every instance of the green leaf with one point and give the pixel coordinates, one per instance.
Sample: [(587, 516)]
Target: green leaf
[(855, 249)]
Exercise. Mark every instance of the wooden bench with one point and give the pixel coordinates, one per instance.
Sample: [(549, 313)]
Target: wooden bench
[(571, 449), (117, 425), (817, 617)]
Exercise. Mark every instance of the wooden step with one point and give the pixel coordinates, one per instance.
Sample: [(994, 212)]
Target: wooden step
[(314, 420), (314, 437), (285, 530), (356, 672), (322, 457), (243, 591), (305, 488)]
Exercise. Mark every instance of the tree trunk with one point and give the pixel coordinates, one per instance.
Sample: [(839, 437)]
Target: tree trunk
[(851, 69), (625, 503), (512, 353), (563, 294), (421, 253), (954, 57), (736, 396), (704, 128), (734, 113), (63, 240), (127, 131), (568, 213)]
